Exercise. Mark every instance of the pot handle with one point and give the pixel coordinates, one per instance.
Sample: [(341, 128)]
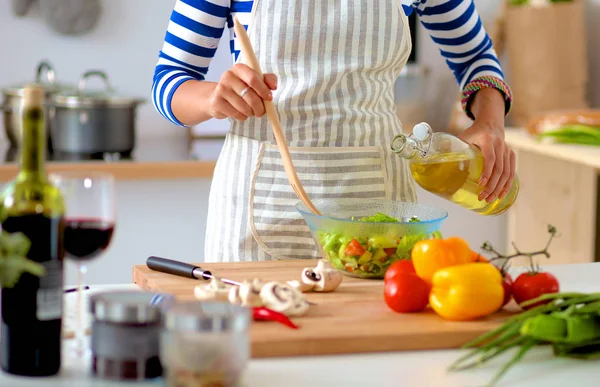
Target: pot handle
[(50, 74), (92, 73)]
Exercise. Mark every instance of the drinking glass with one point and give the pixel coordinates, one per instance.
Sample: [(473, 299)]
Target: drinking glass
[(90, 213)]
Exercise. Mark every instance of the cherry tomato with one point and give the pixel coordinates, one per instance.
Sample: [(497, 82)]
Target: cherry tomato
[(406, 293), (528, 286), (389, 251), (399, 267), (507, 284)]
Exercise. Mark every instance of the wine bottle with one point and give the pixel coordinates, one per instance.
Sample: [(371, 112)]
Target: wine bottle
[(30, 204)]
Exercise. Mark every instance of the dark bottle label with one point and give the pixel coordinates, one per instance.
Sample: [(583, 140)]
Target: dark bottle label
[(50, 293)]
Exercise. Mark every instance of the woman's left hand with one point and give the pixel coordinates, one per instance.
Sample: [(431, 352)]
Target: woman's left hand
[(498, 159)]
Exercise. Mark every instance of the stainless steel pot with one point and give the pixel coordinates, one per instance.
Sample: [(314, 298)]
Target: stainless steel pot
[(13, 97), (91, 122)]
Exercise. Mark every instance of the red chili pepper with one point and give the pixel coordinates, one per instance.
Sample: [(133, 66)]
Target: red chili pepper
[(264, 314)]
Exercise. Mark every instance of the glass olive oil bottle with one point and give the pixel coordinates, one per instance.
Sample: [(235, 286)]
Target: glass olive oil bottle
[(32, 309), (449, 168)]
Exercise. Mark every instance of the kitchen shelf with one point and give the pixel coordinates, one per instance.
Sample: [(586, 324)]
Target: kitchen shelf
[(152, 159)]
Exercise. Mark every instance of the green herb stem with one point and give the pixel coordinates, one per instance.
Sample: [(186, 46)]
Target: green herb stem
[(526, 346)]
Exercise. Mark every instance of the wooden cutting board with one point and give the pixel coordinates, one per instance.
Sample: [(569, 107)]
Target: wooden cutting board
[(353, 319)]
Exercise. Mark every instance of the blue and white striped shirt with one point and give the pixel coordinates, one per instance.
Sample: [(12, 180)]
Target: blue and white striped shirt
[(196, 27)]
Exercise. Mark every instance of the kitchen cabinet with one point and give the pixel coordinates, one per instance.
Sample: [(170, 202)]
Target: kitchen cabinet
[(559, 186)]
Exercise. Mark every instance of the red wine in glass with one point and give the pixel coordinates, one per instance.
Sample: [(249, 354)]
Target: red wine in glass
[(90, 215), (86, 238)]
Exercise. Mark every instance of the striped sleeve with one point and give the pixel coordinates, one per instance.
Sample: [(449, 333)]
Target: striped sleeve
[(191, 41), (456, 28)]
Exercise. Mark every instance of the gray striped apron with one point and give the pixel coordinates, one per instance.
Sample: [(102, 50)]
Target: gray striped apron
[(336, 62)]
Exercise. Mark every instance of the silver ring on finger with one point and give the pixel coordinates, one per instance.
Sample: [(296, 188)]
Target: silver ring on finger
[(243, 92)]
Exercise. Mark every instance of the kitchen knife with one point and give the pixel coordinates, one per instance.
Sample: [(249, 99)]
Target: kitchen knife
[(186, 270), (182, 269)]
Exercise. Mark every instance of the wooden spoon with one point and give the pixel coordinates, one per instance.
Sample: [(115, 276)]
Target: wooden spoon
[(290, 170)]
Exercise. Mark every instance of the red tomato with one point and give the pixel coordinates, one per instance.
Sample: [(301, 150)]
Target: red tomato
[(390, 251), (406, 293), (404, 266), (507, 285), (528, 286), (354, 249)]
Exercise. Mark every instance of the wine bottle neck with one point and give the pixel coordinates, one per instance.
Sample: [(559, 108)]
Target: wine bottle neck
[(33, 148)]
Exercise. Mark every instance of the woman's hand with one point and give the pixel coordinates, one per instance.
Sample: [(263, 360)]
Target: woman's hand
[(487, 133), (240, 93)]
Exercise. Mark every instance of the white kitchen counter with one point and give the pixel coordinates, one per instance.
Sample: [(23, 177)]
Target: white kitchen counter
[(407, 369)]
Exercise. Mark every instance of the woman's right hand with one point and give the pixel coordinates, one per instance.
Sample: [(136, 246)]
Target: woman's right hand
[(240, 93)]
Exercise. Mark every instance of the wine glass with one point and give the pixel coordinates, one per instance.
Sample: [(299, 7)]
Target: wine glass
[(90, 213)]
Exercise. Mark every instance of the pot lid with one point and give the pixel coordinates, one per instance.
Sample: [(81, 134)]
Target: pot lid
[(84, 97), (45, 77)]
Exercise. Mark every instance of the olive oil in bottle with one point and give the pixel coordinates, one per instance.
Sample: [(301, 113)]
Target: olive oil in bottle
[(31, 320), (449, 168)]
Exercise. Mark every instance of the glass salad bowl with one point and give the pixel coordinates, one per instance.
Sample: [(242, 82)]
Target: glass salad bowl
[(362, 238)]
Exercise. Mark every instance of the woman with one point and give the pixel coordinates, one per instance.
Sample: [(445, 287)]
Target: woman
[(330, 69)]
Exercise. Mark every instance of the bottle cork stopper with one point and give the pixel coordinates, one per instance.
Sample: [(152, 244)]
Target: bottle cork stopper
[(34, 95)]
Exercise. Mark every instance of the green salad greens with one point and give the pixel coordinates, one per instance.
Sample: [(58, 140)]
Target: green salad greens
[(369, 256)]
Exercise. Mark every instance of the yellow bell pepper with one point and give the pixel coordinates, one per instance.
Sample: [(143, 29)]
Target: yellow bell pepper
[(466, 292)]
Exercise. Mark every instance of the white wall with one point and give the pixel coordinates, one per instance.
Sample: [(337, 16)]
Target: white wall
[(125, 45), (164, 217)]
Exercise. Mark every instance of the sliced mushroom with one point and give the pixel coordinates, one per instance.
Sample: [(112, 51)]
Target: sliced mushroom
[(328, 278), (215, 290), (284, 298), (302, 286), (247, 294), (322, 278)]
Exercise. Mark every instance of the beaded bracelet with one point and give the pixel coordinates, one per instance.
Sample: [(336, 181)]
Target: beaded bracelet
[(481, 83)]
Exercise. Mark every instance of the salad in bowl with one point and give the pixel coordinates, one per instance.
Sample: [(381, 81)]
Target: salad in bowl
[(362, 238)]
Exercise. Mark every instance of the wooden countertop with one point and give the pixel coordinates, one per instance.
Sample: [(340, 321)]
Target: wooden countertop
[(155, 158), (520, 139)]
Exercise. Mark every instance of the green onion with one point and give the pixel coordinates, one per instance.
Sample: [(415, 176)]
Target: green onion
[(574, 134), (570, 323)]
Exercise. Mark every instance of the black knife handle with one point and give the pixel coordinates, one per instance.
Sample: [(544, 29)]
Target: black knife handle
[(179, 268)]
